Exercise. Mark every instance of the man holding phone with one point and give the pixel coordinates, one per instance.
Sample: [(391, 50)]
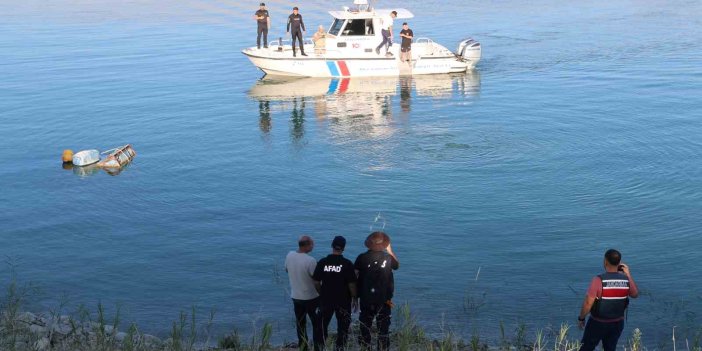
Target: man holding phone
[(606, 302)]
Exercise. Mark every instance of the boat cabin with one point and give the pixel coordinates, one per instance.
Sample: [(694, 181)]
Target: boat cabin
[(356, 32)]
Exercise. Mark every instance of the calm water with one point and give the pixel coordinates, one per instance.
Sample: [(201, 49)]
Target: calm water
[(579, 131)]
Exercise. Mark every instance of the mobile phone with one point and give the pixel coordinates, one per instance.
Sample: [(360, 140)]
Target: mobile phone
[(620, 268)]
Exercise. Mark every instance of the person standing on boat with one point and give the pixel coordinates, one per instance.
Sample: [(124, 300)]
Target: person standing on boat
[(606, 302), (386, 31), (406, 47), (263, 19), (300, 267), (296, 27), (376, 286), (335, 280)]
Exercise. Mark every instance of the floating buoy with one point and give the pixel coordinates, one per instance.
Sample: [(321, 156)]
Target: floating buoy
[(67, 155), (86, 157)]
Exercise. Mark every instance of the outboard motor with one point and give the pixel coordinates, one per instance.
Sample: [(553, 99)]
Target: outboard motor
[(468, 50)]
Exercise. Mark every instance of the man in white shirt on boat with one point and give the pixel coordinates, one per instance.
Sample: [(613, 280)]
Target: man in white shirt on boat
[(386, 25)]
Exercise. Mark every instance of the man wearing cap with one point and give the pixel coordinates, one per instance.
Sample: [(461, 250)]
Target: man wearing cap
[(300, 267), (335, 280), (296, 27), (263, 19), (376, 286)]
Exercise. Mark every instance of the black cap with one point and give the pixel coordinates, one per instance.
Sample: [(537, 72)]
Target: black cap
[(339, 243), (262, 4), (404, 23), (295, 8)]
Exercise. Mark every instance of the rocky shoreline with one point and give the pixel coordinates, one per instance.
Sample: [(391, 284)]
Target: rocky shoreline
[(36, 332)]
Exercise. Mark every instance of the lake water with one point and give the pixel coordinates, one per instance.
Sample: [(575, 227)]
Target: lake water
[(501, 188)]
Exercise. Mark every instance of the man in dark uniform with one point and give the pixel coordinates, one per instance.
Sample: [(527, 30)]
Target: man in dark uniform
[(264, 22), (376, 287), (606, 302), (296, 27), (335, 280)]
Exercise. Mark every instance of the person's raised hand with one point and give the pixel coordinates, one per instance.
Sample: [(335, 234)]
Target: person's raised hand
[(625, 269)]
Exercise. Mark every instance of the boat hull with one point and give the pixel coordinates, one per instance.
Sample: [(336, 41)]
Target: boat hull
[(325, 67)]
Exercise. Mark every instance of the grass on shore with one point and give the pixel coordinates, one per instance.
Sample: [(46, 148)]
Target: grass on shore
[(86, 331)]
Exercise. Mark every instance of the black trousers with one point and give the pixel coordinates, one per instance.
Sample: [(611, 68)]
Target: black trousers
[(382, 314), (596, 331), (343, 322), (262, 29), (297, 34), (304, 309)]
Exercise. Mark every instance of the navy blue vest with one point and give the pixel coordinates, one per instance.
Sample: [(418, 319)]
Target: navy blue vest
[(612, 303)]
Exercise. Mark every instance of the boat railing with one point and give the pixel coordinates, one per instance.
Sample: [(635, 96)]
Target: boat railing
[(430, 47), (284, 42)]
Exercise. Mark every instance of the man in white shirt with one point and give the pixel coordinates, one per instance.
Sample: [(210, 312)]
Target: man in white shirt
[(386, 31), (300, 267)]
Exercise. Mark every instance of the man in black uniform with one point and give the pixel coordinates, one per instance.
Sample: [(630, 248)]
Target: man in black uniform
[(376, 287), (264, 22), (406, 47), (294, 24), (335, 280)]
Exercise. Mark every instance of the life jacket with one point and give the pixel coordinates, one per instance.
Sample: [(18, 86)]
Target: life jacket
[(615, 296)]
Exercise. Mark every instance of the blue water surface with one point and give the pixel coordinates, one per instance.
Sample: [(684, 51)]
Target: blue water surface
[(501, 188)]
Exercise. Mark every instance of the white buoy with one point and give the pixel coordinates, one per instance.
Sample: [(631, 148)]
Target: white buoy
[(86, 157)]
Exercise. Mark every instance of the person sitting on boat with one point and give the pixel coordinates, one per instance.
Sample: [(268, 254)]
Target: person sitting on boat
[(319, 39), (386, 24), (406, 46), (296, 27)]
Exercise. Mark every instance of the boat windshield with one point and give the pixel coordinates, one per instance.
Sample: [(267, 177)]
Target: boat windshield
[(336, 26), (358, 27)]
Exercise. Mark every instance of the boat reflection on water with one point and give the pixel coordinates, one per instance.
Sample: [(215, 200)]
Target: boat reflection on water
[(355, 107), (91, 170)]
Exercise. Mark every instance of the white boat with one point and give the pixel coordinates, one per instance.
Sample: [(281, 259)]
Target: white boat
[(349, 50), (86, 157)]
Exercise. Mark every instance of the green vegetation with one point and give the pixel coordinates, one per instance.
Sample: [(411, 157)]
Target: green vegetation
[(94, 331)]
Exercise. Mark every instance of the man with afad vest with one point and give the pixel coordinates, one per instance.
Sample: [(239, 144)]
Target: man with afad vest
[(606, 302), (335, 280)]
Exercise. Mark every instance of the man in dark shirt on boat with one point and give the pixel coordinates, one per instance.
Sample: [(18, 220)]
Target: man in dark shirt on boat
[(296, 27), (406, 46), (335, 280), (264, 22)]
